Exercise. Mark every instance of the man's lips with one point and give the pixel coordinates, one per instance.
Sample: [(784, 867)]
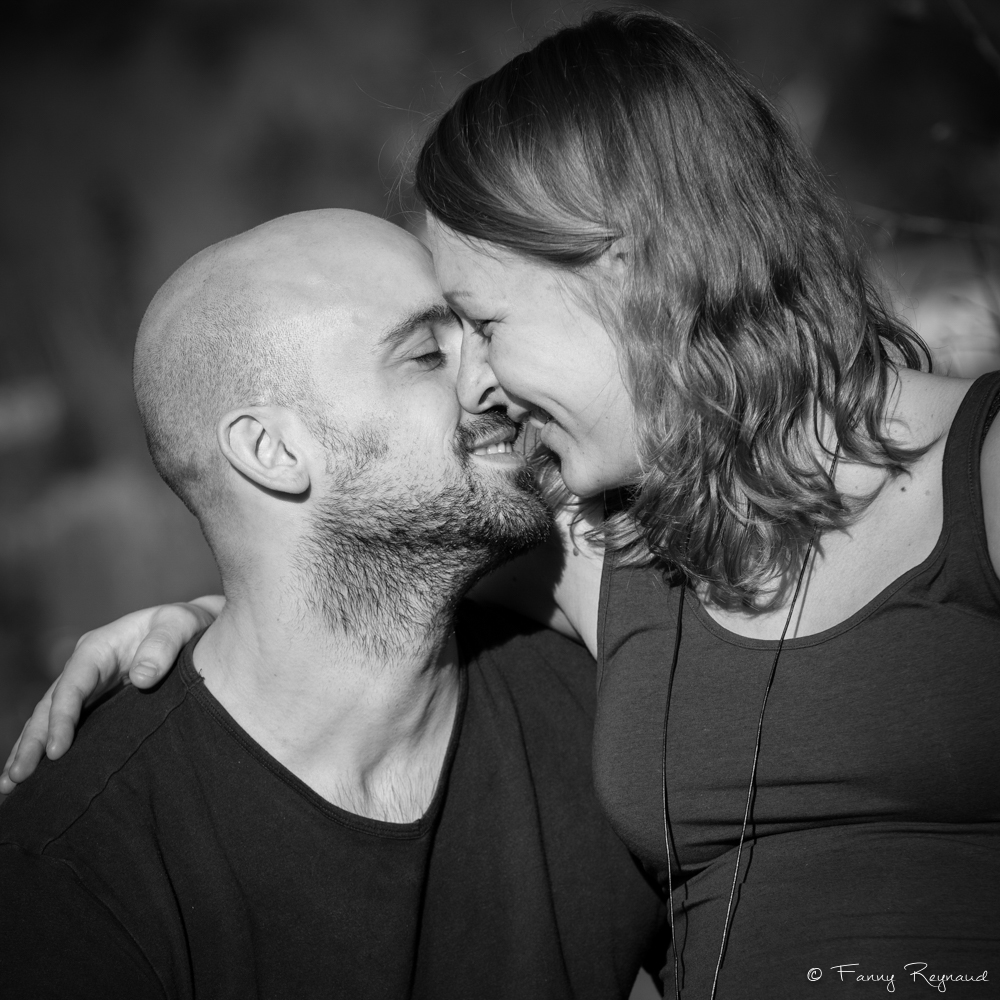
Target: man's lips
[(492, 434), (500, 442)]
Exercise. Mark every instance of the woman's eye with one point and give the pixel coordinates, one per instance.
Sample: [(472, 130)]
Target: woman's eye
[(482, 327)]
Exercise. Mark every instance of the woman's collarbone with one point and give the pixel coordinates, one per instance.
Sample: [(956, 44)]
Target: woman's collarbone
[(850, 568)]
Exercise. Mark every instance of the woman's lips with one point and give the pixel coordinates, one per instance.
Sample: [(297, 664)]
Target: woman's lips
[(538, 417)]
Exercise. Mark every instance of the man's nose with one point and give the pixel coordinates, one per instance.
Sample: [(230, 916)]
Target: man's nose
[(478, 388)]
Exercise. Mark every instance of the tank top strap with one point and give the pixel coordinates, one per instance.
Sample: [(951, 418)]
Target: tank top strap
[(964, 523)]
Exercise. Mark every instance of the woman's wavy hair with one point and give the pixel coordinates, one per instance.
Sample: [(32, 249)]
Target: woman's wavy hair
[(745, 312)]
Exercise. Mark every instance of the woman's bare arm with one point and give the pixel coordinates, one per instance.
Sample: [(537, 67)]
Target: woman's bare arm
[(139, 648), (557, 584)]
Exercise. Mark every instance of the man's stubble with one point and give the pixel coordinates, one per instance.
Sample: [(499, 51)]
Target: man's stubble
[(386, 563)]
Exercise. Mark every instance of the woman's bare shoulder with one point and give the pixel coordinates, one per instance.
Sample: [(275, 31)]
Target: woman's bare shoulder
[(919, 413), (928, 404), (922, 406)]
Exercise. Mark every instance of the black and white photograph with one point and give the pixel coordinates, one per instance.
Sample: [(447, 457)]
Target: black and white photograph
[(500, 500)]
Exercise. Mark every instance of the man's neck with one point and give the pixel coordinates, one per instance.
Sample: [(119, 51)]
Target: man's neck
[(365, 725)]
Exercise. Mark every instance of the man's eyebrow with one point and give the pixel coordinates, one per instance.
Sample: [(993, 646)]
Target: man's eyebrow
[(438, 313)]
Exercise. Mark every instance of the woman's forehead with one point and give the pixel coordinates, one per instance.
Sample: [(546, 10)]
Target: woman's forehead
[(472, 271)]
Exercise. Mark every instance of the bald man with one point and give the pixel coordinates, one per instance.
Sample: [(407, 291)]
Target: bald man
[(336, 792)]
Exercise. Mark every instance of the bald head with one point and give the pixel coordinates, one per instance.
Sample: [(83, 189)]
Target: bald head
[(236, 326)]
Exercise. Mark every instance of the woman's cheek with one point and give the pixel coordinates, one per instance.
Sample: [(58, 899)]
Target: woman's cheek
[(523, 370)]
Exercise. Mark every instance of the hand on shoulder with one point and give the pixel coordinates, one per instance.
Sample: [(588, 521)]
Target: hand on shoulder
[(139, 648)]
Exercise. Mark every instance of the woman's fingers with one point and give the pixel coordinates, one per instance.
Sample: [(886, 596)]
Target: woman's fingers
[(30, 745), (212, 603), (146, 642), (7, 784), (4, 780), (172, 626), (81, 681)]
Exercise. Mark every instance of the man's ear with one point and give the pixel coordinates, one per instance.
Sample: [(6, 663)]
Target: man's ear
[(266, 444)]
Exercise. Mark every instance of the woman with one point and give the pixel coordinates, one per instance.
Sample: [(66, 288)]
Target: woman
[(797, 624)]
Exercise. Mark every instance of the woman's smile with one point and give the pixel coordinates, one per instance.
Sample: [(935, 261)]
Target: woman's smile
[(542, 355)]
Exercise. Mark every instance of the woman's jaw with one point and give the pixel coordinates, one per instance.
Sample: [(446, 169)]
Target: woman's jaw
[(586, 468)]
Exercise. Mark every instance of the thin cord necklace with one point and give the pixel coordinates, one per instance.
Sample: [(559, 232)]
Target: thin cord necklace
[(753, 770)]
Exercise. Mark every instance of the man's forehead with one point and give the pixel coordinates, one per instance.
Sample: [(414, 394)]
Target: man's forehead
[(348, 274), (375, 327), (342, 282), (383, 316), (395, 297), (373, 291)]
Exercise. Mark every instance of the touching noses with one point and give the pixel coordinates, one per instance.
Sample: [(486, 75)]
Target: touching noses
[(478, 388)]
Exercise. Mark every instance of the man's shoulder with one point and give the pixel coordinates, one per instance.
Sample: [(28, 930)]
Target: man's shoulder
[(533, 661), (121, 731), (86, 845)]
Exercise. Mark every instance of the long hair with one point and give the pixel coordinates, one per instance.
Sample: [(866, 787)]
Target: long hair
[(745, 311)]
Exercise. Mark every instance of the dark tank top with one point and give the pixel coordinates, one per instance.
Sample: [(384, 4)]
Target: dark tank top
[(874, 845)]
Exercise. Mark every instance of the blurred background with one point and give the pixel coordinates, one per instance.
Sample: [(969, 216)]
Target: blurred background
[(136, 132)]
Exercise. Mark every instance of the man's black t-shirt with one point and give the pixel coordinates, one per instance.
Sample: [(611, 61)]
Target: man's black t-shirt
[(169, 855)]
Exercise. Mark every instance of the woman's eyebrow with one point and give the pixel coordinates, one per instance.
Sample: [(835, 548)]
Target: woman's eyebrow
[(459, 301), (459, 295), (438, 313)]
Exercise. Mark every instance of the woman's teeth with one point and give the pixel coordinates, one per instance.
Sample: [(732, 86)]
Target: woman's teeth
[(539, 417), (502, 448)]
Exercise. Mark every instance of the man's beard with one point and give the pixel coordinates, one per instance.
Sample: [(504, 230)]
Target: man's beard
[(387, 565)]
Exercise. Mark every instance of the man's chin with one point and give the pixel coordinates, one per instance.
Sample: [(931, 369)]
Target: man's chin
[(512, 475), (511, 514)]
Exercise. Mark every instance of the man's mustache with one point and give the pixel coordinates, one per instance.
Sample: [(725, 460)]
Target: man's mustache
[(483, 427)]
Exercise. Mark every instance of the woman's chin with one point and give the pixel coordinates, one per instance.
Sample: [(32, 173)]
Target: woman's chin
[(585, 483), (590, 471)]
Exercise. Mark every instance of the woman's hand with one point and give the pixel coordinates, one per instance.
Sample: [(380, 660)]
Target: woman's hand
[(139, 648)]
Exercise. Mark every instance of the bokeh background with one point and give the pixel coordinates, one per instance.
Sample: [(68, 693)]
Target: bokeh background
[(135, 132)]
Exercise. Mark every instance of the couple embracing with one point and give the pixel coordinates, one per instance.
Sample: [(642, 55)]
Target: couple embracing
[(774, 529)]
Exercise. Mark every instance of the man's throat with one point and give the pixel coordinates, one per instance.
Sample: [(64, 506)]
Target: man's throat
[(368, 735)]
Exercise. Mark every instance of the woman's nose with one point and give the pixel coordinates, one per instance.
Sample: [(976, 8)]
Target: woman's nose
[(478, 388)]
